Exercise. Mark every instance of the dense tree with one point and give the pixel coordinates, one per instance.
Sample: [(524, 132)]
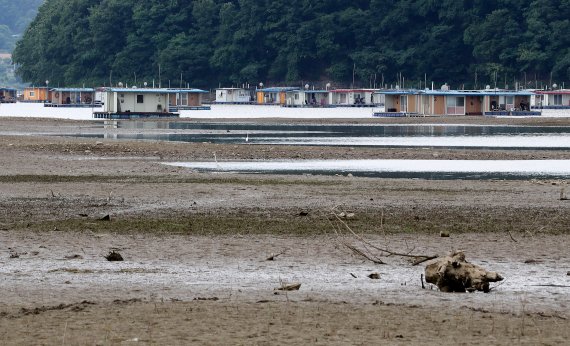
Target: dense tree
[(14, 18), (232, 42)]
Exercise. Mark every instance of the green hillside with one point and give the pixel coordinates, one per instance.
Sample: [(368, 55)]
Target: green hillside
[(210, 42), (15, 15)]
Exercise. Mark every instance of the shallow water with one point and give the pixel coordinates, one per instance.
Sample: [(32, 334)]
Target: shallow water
[(425, 169), (387, 136)]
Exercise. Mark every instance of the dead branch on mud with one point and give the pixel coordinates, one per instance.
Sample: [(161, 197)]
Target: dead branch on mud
[(342, 229), (512, 238), (563, 195)]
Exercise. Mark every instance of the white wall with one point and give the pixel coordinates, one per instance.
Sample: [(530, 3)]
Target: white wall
[(127, 102), (233, 95)]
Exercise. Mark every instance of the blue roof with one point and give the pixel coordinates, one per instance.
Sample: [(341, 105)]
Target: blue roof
[(8, 89), (141, 90), (77, 90), (478, 93), (456, 92), (155, 90), (310, 91), (188, 90), (278, 89), (398, 92)]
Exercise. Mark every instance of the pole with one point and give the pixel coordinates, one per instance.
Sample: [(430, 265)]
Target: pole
[(353, 74)]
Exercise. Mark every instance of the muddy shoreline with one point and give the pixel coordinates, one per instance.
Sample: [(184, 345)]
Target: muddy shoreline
[(190, 237)]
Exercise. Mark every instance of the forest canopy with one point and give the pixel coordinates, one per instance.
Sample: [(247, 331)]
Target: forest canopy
[(15, 15), (206, 43)]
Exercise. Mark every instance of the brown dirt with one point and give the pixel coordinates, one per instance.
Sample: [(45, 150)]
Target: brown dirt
[(188, 237)]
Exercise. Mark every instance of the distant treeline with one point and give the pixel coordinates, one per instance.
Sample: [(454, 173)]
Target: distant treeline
[(208, 43), (15, 15)]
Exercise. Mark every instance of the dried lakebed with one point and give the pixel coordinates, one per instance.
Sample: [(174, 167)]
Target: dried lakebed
[(186, 267), (195, 247)]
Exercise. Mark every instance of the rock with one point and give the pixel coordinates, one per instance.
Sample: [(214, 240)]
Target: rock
[(453, 273), (303, 213), (568, 273), (212, 299), (350, 175), (444, 234), (344, 215), (374, 276), (105, 218), (292, 287), (72, 257), (532, 261), (114, 257)]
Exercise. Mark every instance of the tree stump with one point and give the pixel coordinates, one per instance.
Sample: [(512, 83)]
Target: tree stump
[(453, 273)]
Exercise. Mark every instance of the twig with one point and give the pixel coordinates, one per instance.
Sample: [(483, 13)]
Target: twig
[(273, 257), (389, 252), (423, 259), (498, 285), (512, 238), (563, 195), (64, 332), (352, 248), (362, 254)]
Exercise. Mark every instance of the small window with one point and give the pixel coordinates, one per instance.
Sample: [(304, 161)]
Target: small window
[(140, 98), (32, 93)]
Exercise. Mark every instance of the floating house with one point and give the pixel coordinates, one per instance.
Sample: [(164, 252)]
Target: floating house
[(71, 97), (8, 95), (36, 94), (233, 96), (352, 98), (273, 96), (187, 99), (552, 99), (398, 103), (307, 98), (445, 102), (489, 102), (125, 103)]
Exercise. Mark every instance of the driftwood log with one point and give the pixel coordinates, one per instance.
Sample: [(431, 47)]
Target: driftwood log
[(453, 273)]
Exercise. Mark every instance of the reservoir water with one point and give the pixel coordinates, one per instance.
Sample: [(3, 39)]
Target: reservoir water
[(485, 137), (401, 136)]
